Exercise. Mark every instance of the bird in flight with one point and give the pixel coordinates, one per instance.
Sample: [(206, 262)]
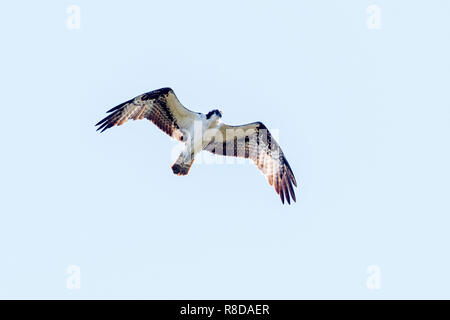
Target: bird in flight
[(252, 141)]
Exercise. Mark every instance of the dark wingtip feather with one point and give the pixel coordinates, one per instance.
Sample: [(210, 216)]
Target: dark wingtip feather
[(109, 125), (119, 106), (290, 172), (105, 122), (108, 121), (283, 186), (288, 199), (286, 191), (276, 185), (280, 183), (105, 119), (103, 125), (291, 189)]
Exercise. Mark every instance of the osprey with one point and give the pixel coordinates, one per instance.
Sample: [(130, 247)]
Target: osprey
[(252, 140)]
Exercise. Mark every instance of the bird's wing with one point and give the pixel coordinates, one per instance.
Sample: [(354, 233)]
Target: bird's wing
[(161, 107), (254, 141)]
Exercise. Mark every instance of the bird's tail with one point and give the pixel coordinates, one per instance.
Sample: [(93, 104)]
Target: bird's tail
[(181, 167)]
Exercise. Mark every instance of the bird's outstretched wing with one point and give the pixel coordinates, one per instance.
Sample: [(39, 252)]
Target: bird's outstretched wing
[(159, 106), (254, 141)]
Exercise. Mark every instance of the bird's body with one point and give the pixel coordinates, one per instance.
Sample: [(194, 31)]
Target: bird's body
[(207, 132), (194, 141)]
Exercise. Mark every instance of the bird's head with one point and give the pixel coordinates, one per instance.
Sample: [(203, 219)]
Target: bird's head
[(214, 113)]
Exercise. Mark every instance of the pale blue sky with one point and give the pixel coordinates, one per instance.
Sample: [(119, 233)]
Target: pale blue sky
[(363, 117)]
